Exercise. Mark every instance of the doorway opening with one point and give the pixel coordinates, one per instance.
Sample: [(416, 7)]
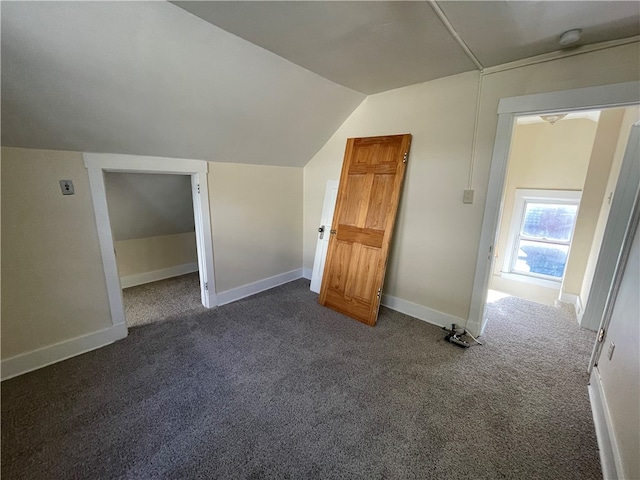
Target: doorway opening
[(561, 173), (153, 226), (99, 165), (584, 99)]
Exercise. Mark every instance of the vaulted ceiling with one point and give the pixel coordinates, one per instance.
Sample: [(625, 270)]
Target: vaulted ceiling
[(251, 82)]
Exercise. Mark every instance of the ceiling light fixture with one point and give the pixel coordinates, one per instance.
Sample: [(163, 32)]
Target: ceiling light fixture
[(570, 37), (553, 118)]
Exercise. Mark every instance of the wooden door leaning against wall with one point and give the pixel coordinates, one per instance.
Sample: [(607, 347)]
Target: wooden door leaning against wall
[(368, 196)]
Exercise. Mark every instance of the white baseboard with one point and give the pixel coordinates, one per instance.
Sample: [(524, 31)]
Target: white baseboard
[(425, 314), (579, 309), (568, 297), (608, 447), (35, 359), (573, 299), (155, 275), (306, 273), (257, 287)]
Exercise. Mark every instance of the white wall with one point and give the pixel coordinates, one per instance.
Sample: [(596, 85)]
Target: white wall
[(620, 377), (593, 195), (631, 116), (434, 251)]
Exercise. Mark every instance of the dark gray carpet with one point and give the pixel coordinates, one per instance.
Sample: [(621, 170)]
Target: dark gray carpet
[(276, 386), (162, 300)]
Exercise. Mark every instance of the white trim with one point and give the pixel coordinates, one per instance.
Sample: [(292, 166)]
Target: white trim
[(565, 297), (587, 98), (590, 98), (41, 357), (579, 310), (522, 197), (531, 279), (306, 273), (156, 275), (249, 289), (557, 55), (610, 460), (99, 163), (425, 314)]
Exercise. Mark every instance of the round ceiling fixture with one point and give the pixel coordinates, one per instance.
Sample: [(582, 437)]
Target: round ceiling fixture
[(570, 37)]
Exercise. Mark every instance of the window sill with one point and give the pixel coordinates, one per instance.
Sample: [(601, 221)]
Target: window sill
[(541, 282)]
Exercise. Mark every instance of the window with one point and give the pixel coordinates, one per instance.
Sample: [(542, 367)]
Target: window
[(540, 235)]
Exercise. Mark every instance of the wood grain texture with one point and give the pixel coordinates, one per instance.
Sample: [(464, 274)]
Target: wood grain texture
[(368, 195)]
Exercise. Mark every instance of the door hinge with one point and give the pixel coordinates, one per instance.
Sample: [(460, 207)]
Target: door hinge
[(379, 292), (198, 188), (601, 335), (404, 157), (206, 286)]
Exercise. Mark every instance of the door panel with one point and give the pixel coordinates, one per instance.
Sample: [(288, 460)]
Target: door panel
[(368, 196)]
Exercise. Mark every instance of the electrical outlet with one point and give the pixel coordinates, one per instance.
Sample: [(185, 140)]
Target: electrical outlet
[(67, 187), (468, 196), (612, 347)]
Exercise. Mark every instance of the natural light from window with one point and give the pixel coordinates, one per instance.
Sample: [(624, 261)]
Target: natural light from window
[(541, 232)]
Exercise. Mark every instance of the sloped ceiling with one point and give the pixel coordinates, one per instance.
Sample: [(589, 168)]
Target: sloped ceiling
[(250, 82), (373, 46), (367, 46), (149, 78)]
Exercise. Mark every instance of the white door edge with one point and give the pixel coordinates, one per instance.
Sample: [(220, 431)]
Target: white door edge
[(328, 207)]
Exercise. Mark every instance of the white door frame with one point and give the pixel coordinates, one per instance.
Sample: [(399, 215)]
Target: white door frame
[(99, 163), (589, 98), (322, 245), (627, 196)]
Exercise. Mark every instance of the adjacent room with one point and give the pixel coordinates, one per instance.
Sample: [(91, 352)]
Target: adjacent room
[(311, 239), (561, 174), (153, 227)]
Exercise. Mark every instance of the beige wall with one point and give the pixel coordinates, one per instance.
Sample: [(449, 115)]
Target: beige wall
[(604, 147), (256, 216), (52, 276), (143, 255), (440, 116), (631, 116), (433, 256), (543, 156), (53, 286)]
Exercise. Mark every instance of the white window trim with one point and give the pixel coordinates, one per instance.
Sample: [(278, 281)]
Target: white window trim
[(524, 195)]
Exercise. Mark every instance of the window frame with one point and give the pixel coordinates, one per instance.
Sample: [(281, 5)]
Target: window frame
[(524, 196)]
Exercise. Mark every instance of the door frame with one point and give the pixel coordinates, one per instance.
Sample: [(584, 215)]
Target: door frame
[(97, 165), (627, 196), (589, 98), (319, 261)]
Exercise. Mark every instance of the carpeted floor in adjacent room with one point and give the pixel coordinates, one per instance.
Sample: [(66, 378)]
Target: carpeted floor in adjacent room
[(276, 386)]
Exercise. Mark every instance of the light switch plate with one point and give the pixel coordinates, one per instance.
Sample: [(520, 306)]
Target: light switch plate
[(67, 187), (468, 196), (612, 347)]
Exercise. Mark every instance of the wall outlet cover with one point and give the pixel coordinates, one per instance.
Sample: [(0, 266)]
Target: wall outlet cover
[(468, 196), (67, 187)]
